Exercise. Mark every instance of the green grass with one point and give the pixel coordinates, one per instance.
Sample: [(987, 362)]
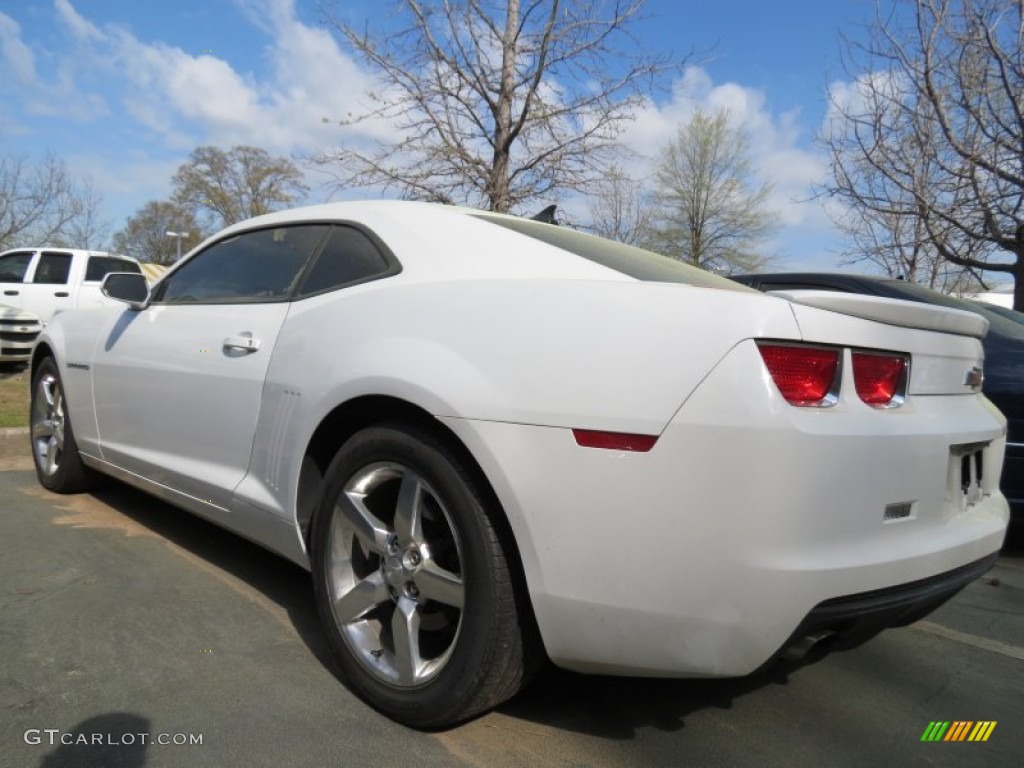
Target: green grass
[(13, 397)]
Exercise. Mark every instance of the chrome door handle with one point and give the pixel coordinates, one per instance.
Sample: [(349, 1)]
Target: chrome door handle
[(242, 342)]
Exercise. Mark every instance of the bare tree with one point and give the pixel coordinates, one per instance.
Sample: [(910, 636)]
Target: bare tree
[(933, 129), (620, 208), (899, 247), (711, 210), (89, 229), (42, 204), (144, 236), (236, 184), (499, 103)]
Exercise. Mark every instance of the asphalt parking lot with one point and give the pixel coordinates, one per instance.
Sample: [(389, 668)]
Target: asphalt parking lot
[(124, 617)]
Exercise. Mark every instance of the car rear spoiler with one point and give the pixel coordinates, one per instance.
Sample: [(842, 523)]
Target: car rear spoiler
[(908, 314)]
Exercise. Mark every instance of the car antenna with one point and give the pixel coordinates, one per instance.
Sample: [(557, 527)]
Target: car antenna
[(547, 215)]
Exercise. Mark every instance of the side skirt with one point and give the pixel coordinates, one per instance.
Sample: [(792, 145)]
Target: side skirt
[(246, 520)]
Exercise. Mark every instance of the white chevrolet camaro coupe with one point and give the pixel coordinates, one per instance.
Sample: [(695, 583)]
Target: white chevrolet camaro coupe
[(494, 440)]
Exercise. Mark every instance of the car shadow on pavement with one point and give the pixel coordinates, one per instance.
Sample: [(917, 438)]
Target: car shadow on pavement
[(607, 707), (279, 580), (617, 707)]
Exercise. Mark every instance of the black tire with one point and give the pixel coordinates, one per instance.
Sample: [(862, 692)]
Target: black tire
[(465, 658), (58, 464)]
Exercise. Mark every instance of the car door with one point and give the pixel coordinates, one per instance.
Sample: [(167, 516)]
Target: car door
[(177, 386), (47, 290), (13, 268)]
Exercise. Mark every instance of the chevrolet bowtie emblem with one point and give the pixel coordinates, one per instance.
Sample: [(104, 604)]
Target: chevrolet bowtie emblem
[(974, 378)]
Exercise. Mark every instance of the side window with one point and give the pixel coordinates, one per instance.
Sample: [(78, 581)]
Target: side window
[(13, 266), (349, 256), (99, 267), (53, 269), (263, 265)]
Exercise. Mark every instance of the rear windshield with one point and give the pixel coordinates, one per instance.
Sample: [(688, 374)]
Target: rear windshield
[(626, 259)]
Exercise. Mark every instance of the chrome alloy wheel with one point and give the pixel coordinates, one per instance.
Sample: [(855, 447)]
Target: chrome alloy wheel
[(394, 574), (48, 424)]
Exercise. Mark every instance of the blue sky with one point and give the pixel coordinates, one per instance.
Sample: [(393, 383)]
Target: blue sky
[(122, 90)]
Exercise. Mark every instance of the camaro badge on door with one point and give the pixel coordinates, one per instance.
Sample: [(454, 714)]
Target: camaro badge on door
[(975, 377)]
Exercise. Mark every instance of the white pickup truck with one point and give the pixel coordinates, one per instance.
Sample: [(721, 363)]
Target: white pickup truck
[(38, 283)]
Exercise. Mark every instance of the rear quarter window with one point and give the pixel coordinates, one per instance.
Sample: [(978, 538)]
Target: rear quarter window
[(348, 257)]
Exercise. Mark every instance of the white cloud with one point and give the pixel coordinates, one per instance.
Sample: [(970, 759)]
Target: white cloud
[(777, 141), (179, 95), (17, 56), (34, 94), (79, 26), (189, 99)]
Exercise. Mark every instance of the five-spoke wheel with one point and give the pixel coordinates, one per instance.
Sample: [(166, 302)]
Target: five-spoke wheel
[(54, 451), (48, 423), (412, 579), (395, 575)]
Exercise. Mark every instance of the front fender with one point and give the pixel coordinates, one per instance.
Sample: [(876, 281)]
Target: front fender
[(71, 339)]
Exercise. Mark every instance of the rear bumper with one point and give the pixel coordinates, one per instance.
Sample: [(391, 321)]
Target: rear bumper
[(846, 622), (704, 556)]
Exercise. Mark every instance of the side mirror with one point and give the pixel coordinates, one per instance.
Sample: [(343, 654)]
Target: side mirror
[(128, 287)]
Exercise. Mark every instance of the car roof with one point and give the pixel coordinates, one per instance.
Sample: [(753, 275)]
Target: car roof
[(61, 249), (437, 242)]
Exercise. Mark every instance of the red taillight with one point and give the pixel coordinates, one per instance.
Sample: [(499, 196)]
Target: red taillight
[(614, 441), (878, 376), (804, 375)]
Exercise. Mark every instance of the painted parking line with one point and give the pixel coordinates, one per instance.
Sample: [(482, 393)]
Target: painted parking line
[(987, 644)]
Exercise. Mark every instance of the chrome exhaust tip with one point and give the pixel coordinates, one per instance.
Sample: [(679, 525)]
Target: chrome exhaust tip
[(810, 648)]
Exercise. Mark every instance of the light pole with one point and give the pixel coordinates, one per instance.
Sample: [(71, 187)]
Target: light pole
[(179, 236)]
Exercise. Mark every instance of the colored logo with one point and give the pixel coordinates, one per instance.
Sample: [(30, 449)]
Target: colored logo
[(958, 730)]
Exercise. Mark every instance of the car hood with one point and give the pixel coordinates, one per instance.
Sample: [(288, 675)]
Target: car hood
[(13, 314)]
